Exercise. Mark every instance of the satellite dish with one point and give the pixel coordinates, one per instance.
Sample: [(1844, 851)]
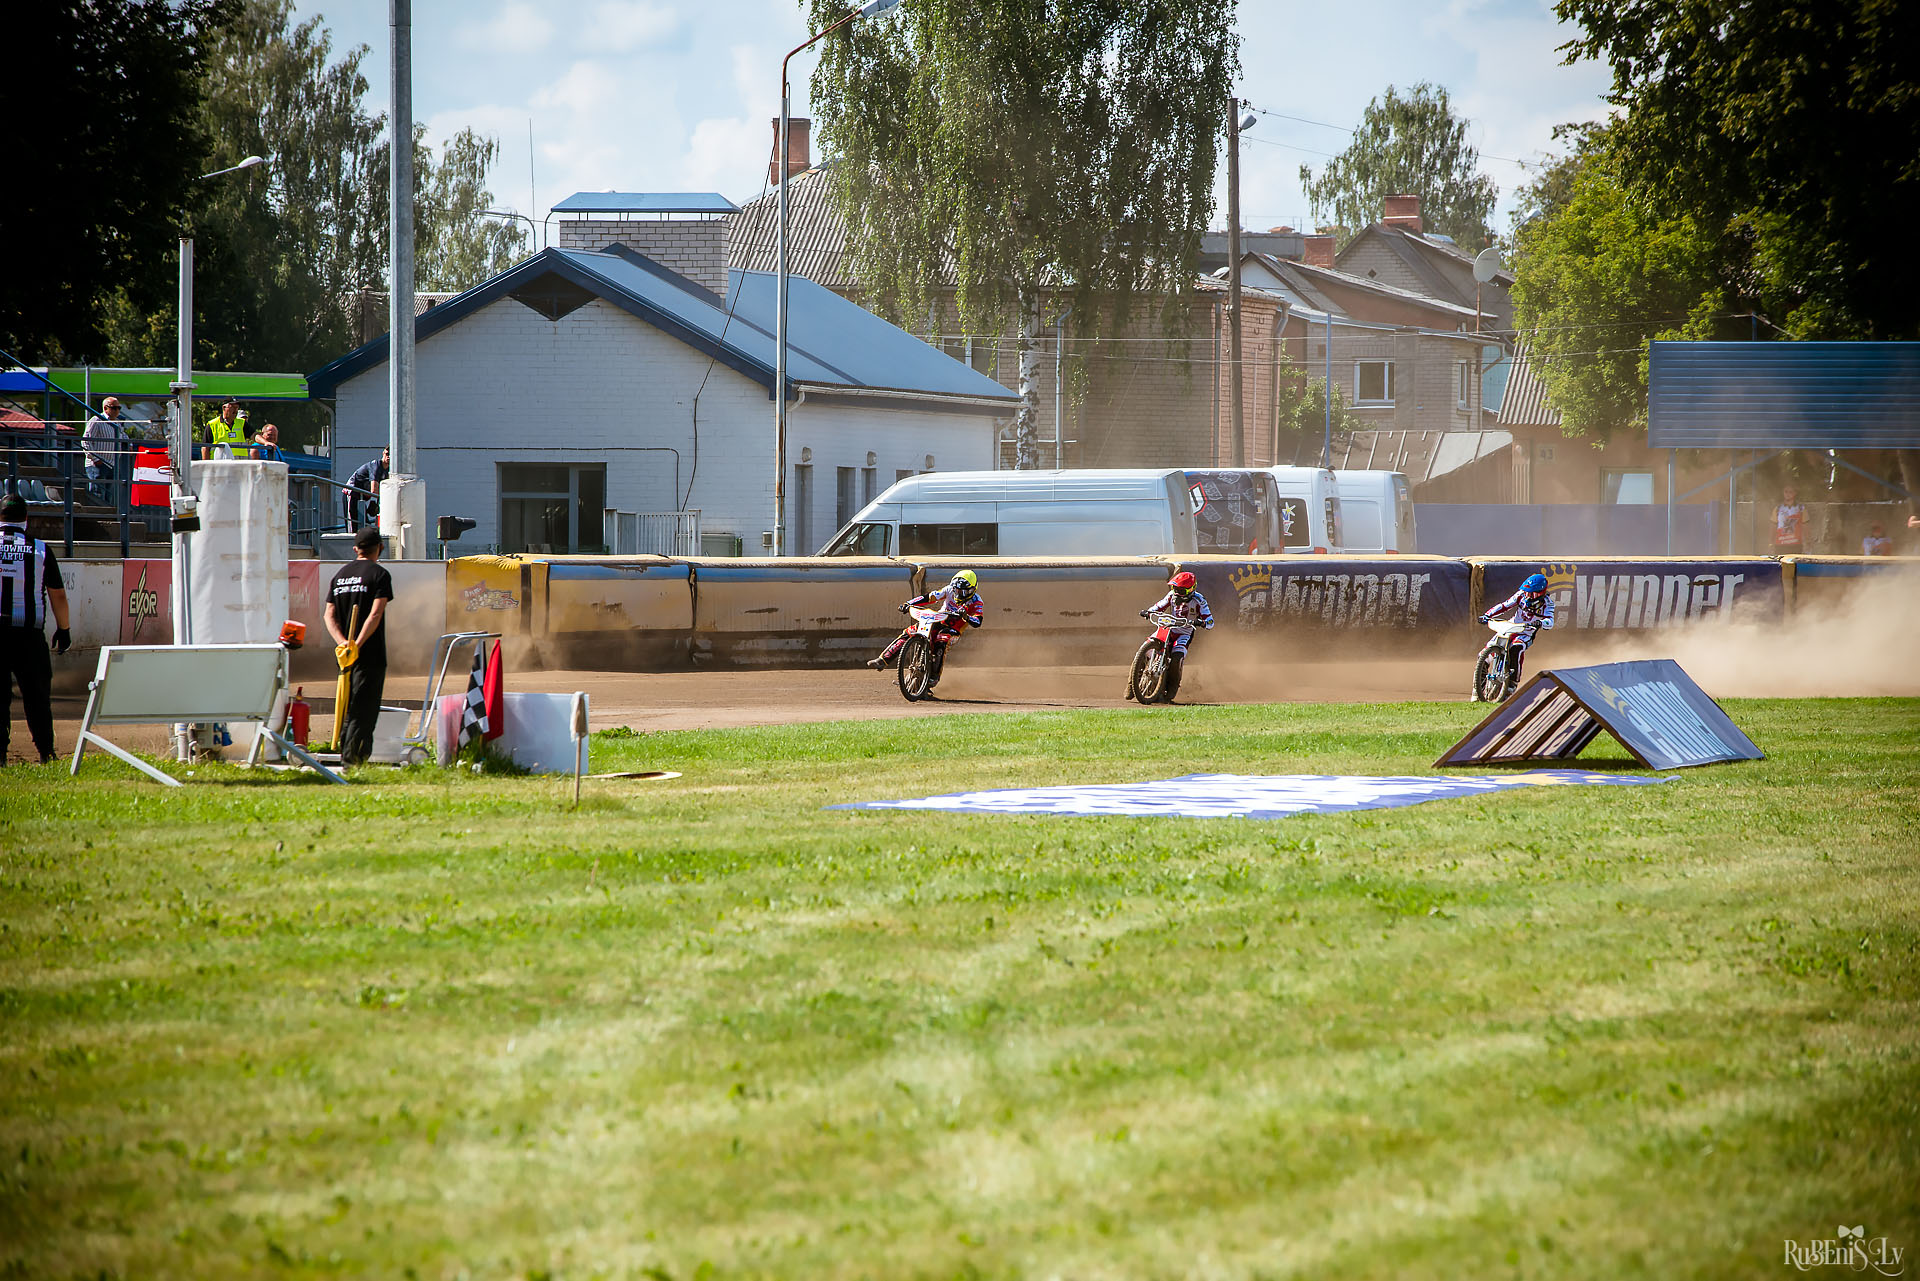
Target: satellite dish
[(1486, 263)]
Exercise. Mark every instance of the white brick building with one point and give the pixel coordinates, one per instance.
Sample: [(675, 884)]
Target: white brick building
[(580, 381)]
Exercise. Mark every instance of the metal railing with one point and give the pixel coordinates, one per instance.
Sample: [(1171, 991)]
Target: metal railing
[(653, 533)]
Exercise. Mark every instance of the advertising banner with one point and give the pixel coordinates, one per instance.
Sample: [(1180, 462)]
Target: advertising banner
[(146, 592), (1640, 595), (1652, 707), (1387, 593)]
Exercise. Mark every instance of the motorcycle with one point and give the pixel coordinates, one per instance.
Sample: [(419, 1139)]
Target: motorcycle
[(924, 654), (1493, 678), (1155, 677)]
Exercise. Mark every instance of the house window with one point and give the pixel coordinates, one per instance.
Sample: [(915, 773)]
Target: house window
[(1373, 382), (802, 514), (869, 484), (1463, 394), (552, 507), (843, 492), (1626, 487)]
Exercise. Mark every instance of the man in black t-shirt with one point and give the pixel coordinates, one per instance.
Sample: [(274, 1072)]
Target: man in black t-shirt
[(366, 586)]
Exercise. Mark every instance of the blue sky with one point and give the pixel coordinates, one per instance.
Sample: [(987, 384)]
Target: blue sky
[(676, 95)]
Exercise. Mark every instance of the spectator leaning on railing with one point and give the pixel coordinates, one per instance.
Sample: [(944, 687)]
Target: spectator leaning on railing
[(366, 477), (104, 441)]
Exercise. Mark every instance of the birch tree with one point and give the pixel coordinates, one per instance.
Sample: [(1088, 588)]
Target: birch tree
[(1034, 154)]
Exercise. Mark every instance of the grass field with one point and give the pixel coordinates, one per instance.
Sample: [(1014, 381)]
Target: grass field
[(442, 1025)]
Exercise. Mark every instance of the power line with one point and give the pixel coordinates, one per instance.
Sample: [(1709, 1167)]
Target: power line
[(1322, 124)]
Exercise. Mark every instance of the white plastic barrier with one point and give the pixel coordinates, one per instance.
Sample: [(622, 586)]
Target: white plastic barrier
[(538, 735)]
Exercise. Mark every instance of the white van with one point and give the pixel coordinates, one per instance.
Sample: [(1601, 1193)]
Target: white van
[(1376, 512), (1024, 513), (1236, 510), (1309, 509)]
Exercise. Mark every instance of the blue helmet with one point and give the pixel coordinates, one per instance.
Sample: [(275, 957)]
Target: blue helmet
[(1534, 583)]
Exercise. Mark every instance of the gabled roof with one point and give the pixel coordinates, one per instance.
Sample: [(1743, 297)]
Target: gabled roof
[(834, 347), (1311, 283), (644, 202), (816, 234), (1525, 403), (1437, 262)]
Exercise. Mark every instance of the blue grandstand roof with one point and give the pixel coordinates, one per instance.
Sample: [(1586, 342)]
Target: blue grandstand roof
[(833, 346), (646, 202)]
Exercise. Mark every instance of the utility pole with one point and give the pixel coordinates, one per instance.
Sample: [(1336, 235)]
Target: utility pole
[(400, 436), (1233, 277)]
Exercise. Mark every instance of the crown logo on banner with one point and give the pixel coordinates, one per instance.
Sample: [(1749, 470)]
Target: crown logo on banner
[(1249, 579), (1561, 576)]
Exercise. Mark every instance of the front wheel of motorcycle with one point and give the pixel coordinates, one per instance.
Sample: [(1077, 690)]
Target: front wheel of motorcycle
[(1483, 678), (1149, 671), (1170, 683), (915, 668)]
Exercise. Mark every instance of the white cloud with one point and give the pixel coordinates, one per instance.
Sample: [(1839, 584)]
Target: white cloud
[(623, 26), (516, 27), (729, 154)]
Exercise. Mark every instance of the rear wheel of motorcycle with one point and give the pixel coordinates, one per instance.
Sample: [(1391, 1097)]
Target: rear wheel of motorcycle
[(1149, 672), (915, 668), (1170, 683), (1483, 678)]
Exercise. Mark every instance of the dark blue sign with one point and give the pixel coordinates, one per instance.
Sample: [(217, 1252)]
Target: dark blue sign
[(1652, 707), (1640, 595), (1382, 594)]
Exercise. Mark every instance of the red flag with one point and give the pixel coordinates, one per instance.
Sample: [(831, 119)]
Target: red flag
[(494, 695), (151, 477)]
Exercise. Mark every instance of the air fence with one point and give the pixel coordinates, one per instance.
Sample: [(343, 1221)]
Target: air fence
[(666, 613)]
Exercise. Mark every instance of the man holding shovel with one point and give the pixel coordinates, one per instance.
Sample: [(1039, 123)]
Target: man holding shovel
[(356, 606)]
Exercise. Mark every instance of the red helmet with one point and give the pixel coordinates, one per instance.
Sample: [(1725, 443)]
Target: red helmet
[(1182, 582)]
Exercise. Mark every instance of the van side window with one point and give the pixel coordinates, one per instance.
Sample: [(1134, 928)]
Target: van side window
[(1294, 528), (866, 539), (950, 540)]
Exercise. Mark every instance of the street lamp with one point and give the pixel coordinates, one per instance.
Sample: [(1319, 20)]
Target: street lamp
[(533, 230), (866, 10), (183, 506)]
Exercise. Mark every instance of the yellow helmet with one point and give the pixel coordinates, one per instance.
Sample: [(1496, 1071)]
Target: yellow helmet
[(966, 582)]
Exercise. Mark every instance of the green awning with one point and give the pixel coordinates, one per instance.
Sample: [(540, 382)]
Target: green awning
[(156, 384)]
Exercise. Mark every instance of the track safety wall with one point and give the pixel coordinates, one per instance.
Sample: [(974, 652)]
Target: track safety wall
[(1382, 595), (1644, 594)]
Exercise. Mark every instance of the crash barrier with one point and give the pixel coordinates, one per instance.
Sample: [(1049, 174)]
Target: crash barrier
[(1651, 707), (1386, 597), (1642, 594), (793, 612), (1077, 609)]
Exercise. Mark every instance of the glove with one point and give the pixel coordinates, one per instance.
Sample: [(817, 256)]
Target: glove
[(903, 609), (346, 655), (1208, 624), (1143, 613), (62, 640), (1486, 618)]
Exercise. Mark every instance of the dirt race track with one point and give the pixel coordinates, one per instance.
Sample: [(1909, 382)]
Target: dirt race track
[(725, 699)]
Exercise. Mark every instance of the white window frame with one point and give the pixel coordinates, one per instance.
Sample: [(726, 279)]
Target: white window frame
[(1463, 392), (1386, 378)]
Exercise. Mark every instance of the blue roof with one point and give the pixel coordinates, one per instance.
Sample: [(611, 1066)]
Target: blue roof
[(656, 202), (833, 346), (1783, 395)]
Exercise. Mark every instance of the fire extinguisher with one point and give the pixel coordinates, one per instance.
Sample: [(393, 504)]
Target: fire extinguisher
[(297, 715)]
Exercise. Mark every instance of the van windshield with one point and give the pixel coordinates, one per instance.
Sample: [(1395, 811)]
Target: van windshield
[(865, 539)]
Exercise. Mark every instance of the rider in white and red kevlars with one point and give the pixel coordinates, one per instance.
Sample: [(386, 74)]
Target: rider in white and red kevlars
[(1183, 600), (1532, 606), (960, 599)]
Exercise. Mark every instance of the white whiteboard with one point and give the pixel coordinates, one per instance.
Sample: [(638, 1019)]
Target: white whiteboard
[(162, 684)]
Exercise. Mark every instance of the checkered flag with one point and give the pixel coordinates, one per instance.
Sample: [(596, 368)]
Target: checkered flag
[(473, 709)]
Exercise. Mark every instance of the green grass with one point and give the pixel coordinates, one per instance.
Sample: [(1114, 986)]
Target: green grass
[(701, 1028)]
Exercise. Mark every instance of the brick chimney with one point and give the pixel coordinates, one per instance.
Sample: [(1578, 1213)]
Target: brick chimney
[(1402, 212), (799, 149), (1318, 251)]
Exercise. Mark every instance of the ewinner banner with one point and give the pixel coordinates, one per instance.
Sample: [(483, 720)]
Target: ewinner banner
[(1387, 593), (1245, 795), (1638, 595)]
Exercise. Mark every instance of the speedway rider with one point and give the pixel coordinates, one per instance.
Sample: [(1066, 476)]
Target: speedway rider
[(960, 599), (1184, 601), (1533, 607)]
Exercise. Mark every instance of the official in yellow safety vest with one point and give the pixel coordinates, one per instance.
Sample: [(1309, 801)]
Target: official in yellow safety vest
[(231, 431)]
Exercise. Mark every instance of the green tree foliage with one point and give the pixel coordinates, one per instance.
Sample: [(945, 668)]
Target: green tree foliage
[(455, 248), (1412, 145), (1024, 150), (1796, 120), (1598, 273), (102, 149), (1303, 412)]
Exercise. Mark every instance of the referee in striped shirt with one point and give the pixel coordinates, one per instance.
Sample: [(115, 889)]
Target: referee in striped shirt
[(29, 578)]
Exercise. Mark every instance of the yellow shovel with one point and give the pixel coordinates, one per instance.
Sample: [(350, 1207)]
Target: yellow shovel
[(346, 655)]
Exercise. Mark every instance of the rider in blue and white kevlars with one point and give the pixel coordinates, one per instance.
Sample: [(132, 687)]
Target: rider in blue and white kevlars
[(1530, 605), (960, 598)]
